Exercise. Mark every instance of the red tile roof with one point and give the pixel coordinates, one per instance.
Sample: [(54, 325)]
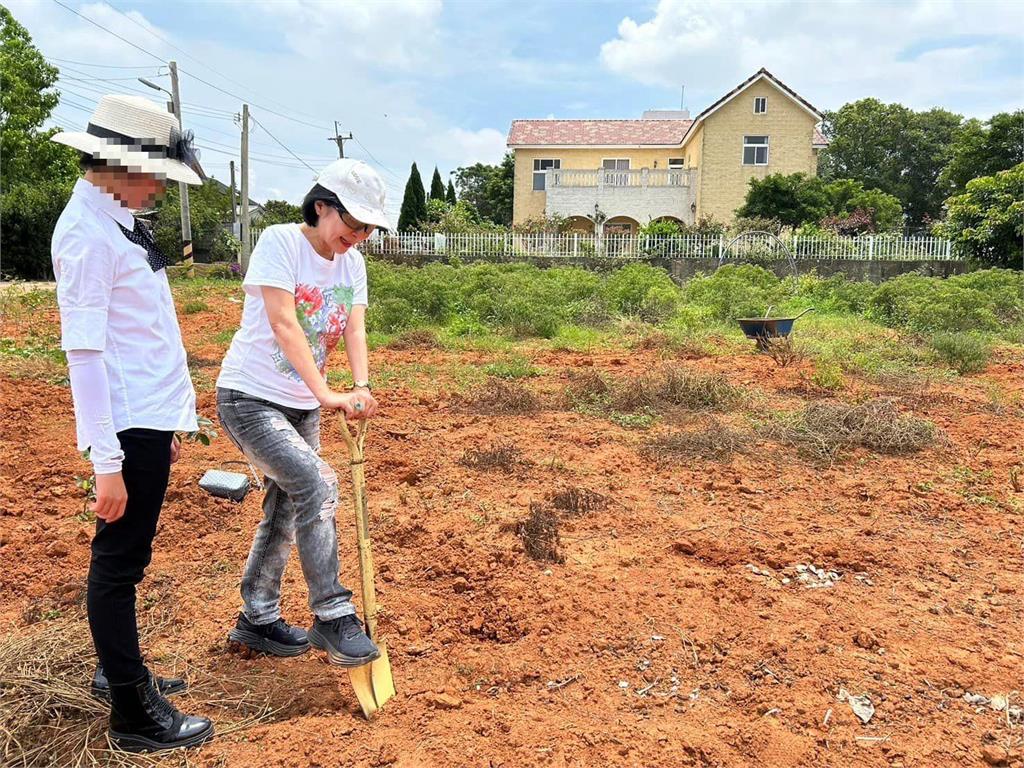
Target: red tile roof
[(598, 132), (819, 139)]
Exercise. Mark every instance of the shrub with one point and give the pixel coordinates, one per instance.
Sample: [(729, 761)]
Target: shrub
[(735, 290), (629, 287), (966, 352)]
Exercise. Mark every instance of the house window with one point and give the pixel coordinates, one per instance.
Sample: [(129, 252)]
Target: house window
[(539, 166), (760, 105), (610, 166), (755, 150), (676, 165)]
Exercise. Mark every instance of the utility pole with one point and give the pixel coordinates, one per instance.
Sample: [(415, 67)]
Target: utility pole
[(245, 189), (234, 202), (340, 140), (186, 220)]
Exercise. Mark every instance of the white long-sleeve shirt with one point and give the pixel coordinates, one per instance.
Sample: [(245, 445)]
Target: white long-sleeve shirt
[(112, 302)]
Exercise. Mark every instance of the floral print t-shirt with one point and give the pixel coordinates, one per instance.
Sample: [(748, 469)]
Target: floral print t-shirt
[(325, 292)]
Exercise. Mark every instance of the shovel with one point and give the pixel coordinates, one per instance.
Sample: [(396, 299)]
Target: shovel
[(372, 682)]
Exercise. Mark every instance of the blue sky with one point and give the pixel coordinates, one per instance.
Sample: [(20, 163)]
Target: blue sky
[(439, 81)]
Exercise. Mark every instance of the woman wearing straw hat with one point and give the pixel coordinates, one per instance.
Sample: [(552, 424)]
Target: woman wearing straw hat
[(305, 291), (131, 389)]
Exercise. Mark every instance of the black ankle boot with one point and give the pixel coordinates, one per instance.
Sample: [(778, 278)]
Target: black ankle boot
[(100, 688), (141, 720)]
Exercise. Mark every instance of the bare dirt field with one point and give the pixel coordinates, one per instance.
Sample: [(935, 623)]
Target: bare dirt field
[(716, 594)]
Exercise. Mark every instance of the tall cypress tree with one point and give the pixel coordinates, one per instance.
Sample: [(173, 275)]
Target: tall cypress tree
[(436, 186), (414, 202), (451, 193)]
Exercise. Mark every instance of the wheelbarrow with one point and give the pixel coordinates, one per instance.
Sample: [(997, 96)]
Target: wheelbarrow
[(763, 329)]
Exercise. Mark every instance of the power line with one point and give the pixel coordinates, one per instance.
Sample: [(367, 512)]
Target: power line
[(202, 64), (100, 26), (285, 148), (104, 66), (378, 162), (194, 77)]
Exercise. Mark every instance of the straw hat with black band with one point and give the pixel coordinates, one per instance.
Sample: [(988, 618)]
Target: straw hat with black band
[(136, 134)]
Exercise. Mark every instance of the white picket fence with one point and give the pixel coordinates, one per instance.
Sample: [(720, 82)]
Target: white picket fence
[(508, 246)]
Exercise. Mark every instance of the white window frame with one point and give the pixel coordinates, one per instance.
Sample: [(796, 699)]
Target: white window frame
[(755, 146), (613, 176), (617, 161), (676, 164), (763, 104), (540, 170)]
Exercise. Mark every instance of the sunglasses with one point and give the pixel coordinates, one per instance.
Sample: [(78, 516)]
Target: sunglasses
[(353, 223)]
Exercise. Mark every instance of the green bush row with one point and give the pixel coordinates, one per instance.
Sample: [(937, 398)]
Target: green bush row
[(526, 300)]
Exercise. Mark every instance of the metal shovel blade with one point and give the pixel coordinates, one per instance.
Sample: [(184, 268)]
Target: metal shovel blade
[(373, 683)]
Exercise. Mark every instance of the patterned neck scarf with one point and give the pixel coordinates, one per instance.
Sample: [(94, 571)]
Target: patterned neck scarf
[(140, 236)]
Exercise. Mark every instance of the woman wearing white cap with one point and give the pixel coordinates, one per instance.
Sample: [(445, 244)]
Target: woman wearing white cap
[(305, 290), (131, 389)]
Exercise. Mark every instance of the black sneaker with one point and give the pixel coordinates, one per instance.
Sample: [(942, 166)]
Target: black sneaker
[(100, 688), (277, 638), (346, 643)]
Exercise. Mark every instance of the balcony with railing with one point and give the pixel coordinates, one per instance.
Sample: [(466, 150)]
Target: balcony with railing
[(641, 194)]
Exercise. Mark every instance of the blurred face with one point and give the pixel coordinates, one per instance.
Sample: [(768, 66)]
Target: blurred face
[(340, 231), (131, 189)]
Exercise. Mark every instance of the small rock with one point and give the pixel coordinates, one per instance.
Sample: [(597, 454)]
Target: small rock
[(443, 701), (623, 684), (997, 703), (684, 547), (460, 585), (975, 699), (865, 638), (785, 580), (84, 535), (57, 549), (993, 755)]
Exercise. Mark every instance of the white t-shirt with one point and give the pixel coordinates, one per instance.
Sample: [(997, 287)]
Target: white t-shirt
[(113, 302), (325, 292)]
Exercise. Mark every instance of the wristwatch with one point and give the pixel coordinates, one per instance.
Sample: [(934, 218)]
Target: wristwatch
[(361, 385)]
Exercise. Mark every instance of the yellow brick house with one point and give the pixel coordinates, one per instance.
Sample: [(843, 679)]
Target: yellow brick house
[(663, 165)]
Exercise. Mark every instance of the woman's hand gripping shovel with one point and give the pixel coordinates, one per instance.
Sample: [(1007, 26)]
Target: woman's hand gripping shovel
[(372, 682)]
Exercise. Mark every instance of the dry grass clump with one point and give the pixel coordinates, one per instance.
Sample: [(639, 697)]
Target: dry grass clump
[(782, 350), (710, 440), (500, 396), (673, 387), (823, 430), (586, 389), (49, 719), (539, 534), (417, 338), (577, 502), (499, 455)]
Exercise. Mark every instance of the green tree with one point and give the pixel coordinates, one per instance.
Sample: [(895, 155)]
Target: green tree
[(436, 186), (450, 194), (280, 212), (848, 195), (209, 208), (414, 202), (489, 188), (36, 174), (984, 149), (792, 200), (987, 221), (891, 148)]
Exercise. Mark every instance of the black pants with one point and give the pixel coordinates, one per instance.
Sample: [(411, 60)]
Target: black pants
[(121, 551)]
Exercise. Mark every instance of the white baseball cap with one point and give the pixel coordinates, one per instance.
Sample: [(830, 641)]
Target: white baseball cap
[(359, 188)]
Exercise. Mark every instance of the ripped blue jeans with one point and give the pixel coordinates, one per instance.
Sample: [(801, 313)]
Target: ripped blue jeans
[(299, 507)]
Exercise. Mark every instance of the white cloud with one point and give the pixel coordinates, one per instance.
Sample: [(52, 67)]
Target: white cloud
[(830, 52), (461, 147), (394, 34)]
